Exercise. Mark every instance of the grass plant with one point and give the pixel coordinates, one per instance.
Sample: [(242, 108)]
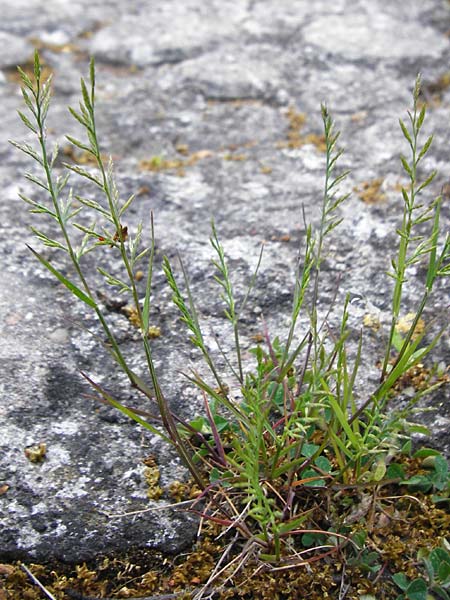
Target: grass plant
[(285, 467)]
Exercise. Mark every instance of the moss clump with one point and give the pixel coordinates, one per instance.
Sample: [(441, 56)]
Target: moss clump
[(37, 453), (396, 529), (152, 476)]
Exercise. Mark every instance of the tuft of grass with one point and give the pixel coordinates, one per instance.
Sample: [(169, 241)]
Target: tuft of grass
[(287, 467)]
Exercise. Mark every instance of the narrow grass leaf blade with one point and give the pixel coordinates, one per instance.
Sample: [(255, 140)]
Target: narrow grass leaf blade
[(286, 528), (140, 384), (94, 205), (123, 409), (339, 444), (92, 77), (69, 285), (219, 398), (343, 422)]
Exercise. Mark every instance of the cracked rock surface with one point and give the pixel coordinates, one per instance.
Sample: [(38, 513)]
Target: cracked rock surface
[(212, 88)]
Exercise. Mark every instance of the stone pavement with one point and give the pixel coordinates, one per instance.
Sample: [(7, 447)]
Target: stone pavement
[(224, 98)]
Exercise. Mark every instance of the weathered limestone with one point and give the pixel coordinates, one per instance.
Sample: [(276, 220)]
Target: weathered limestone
[(215, 80)]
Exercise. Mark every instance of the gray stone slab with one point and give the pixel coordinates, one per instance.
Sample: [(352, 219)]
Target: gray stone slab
[(167, 32), (374, 35), (219, 80), (15, 50)]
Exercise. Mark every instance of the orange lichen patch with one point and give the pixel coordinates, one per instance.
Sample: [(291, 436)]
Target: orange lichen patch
[(27, 67), (159, 164), (235, 157), (294, 136), (258, 337), (371, 321), (405, 323), (432, 92), (370, 191), (284, 237), (266, 170), (359, 117), (296, 122), (86, 34), (57, 48), (234, 147), (82, 157), (144, 190), (200, 155), (231, 151), (316, 140), (181, 491), (182, 149)]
